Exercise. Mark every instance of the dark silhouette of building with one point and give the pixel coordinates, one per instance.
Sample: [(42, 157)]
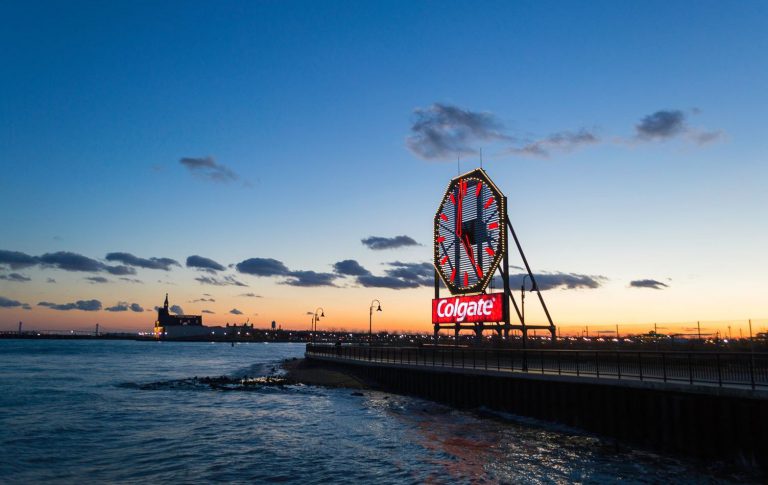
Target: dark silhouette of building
[(177, 325)]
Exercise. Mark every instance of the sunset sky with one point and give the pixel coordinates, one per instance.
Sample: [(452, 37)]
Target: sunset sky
[(257, 160)]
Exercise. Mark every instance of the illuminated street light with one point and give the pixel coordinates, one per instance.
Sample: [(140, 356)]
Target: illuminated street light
[(370, 320), (315, 319)]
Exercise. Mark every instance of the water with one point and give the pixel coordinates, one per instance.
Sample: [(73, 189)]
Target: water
[(72, 411)]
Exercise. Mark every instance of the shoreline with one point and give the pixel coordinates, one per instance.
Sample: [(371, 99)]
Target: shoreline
[(303, 371)]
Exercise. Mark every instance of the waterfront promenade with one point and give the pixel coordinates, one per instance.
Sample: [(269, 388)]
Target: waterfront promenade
[(738, 370), (707, 404)]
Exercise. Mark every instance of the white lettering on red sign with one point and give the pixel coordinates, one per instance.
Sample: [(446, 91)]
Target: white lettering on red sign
[(478, 308)]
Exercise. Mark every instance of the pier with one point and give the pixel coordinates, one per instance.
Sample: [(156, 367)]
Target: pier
[(710, 405)]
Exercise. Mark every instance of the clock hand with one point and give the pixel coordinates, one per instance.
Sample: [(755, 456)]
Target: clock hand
[(470, 253), (459, 210)]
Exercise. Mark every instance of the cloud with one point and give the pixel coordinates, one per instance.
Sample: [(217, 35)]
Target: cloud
[(69, 261), (132, 280), (119, 307), (262, 267), (310, 279), (97, 279), (15, 277), (84, 305), (235, 311), (653, 284), (660, 125), (203, 299), (350, 267), (445, 131), (204, 264), (563, 141), (666, 124), (8, 303), (552, 280), (400, 276), (208, 311), (371, 281), (208, 168), (17, 259), (149, 263), (377, 242), (51, 280), (177, 310), (225, 281), (420, 273), (124, 306), (250, 295)]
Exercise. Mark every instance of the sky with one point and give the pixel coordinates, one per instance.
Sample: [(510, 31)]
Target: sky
[(260, 160)]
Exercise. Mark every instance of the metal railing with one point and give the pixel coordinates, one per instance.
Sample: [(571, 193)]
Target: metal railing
[(724, 369)]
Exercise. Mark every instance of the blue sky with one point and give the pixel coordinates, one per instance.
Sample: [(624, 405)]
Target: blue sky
[(310, 104)]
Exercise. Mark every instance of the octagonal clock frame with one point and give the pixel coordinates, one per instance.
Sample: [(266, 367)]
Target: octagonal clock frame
[(470, 233)]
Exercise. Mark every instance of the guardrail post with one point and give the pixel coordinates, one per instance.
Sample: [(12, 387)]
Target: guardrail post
[(578, 373), (719, 372), (752, 370), (542, 361), (559, 366), (618, 365), (664, 365), (640, 365), (597, 364), (690, 368), (485, 351)]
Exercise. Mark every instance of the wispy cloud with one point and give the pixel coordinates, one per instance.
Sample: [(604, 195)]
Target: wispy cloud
[(96, 279), (235, 311), (207, 168), (648, 283), (564, 141), (445, 131), (15, 277), (378, 242), (250, 295), (226, 280), (177, 310)]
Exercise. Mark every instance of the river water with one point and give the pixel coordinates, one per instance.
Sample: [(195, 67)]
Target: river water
[(80, 411)]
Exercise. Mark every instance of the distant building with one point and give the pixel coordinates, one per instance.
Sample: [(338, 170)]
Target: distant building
[(191, 326), (175, 326)]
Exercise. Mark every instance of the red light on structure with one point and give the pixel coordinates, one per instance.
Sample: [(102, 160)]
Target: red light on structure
[(476, 308)]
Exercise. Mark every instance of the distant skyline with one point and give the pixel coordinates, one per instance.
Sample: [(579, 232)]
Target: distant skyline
[(257, 160)]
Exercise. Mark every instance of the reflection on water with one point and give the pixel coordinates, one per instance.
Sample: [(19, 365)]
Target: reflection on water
[(137, 411)]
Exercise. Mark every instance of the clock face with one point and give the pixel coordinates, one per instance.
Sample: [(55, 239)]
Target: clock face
[(469, 233)]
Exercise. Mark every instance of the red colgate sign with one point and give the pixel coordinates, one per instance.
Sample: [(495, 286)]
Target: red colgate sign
[(476, 308)]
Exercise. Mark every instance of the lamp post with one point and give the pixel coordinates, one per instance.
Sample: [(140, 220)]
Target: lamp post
[(315, 319), (370, 320)]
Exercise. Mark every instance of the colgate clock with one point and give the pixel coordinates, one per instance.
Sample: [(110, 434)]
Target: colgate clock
[(469, 233)]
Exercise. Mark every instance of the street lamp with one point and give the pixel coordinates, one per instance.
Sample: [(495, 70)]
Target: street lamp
[(370, 320), (315, 319)]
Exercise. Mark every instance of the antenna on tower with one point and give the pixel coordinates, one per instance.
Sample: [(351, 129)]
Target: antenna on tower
[(458, 164), (481, 158)]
